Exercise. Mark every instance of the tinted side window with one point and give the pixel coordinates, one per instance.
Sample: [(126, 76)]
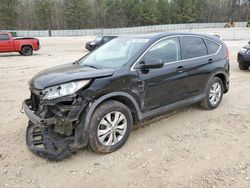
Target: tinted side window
[(193, 47), (4, 37), (212, 47), (167, 50)]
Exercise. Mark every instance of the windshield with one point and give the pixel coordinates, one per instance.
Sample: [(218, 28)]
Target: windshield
[(98, 39), (115, 53)]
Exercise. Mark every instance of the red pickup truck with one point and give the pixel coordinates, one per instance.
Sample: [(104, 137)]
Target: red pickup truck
[(25, 46)]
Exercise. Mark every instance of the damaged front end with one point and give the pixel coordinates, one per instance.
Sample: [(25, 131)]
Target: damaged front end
[(52, 124)]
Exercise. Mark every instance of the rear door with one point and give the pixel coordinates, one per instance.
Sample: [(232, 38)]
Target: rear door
[(196, 63), (6, 44)]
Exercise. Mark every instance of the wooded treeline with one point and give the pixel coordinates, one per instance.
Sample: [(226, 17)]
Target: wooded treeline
[(82, 14)]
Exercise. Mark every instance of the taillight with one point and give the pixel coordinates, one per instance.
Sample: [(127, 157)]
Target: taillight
[(38, 43)]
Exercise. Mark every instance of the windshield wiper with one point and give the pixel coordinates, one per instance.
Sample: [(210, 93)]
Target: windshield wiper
[(92, 66)]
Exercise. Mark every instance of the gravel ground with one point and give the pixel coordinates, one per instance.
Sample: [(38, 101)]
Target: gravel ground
[(189, 147)]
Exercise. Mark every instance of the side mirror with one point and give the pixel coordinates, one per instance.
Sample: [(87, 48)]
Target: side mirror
[(152, 64), (249, 42)]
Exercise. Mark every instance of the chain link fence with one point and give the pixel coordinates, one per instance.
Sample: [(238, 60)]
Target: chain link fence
[(122, 31)]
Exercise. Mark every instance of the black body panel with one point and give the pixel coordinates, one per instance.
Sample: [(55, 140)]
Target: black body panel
[(66, 73), (147, 92), (244, 57)]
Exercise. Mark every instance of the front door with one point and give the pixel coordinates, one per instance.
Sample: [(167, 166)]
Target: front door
[(6, 45), (165, 85)]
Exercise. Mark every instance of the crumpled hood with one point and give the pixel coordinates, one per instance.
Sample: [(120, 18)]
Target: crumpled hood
[(66, 73)]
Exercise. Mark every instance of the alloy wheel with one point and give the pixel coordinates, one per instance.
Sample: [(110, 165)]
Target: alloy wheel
[(215, 93), (112, 128)]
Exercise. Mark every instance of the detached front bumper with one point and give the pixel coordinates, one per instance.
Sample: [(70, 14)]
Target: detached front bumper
[(36, 120), (47, 144), (42, 140)]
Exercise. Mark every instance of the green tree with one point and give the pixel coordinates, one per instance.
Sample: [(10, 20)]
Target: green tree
[(77, 14), (148, 12), (115, 14), (43, 14), (80, 14), (186, 11), (247, 3), (164, 12), (100, 13), (198, 9), (8, 14), (131, 10)]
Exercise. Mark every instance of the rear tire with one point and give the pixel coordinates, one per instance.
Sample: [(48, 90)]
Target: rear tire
[(110, 127), (214, 94), (243, 67), (27, 51)]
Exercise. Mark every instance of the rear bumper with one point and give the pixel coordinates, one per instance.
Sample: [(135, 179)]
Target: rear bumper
[(88, 47), (36, 48), (243, 58)]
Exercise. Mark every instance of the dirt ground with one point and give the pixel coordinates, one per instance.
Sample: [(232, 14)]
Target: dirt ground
[(189, 147)]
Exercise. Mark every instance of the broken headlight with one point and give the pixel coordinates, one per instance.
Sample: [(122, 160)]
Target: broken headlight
[(63, 89)]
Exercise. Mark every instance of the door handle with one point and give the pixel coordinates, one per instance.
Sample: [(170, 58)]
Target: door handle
[(210, 61), (180, 69)]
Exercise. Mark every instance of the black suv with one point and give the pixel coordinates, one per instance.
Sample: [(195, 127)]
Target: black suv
[(100, 40), (96, 100), (244, 57)]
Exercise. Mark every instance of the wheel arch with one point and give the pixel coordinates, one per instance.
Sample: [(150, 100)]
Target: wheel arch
[(122, 97), (28, 45), (222, 75), (82, 130)]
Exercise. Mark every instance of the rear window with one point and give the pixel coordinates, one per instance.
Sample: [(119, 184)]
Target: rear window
[(193, 47), (4, 37), (212, 47)]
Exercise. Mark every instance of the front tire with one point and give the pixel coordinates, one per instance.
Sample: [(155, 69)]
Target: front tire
[(214, 94), (110, 127), (27, 51), (243, 67)]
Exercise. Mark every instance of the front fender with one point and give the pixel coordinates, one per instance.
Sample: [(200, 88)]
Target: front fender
[(82, 130)]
